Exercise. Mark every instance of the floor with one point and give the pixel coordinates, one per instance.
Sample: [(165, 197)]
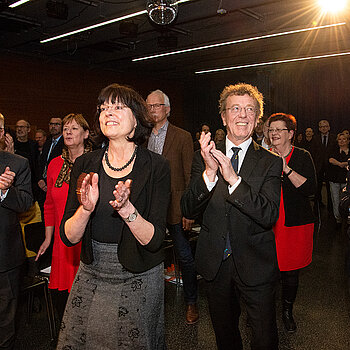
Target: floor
[(322, 309)]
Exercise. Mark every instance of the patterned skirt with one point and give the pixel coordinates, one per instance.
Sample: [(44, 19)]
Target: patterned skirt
[(111, 308)]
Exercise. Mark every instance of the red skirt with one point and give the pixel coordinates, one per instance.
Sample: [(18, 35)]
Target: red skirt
[(294, 244)]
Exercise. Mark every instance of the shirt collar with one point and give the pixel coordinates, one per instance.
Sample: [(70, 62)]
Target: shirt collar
[(58, 138), (244, 146), (164, 128)]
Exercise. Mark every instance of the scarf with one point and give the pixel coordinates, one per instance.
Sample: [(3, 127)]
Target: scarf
[(64, 175)]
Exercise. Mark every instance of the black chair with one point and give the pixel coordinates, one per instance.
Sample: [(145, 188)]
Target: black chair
[(35, 235), (32, 282), (29, 286)]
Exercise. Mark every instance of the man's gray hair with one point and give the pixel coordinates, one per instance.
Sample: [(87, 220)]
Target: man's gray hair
[(166, 98)]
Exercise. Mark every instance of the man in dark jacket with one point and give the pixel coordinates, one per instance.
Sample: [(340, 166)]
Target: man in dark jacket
[(52, 148), (344, 208), (15, 197), (327, 142), (237, 189)]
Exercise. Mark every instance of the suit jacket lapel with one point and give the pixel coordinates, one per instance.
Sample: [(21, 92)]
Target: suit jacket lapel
[(3, 161), (169, 139), (250, 160), (142, 173)]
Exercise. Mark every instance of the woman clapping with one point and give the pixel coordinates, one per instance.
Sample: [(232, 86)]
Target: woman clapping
[(117, 299), (295, 226)]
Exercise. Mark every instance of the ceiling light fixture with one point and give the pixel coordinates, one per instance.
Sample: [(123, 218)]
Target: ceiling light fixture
[(113, 20), (162, 12), (237, 41), (118, 19), (273, 62), (18, 3)]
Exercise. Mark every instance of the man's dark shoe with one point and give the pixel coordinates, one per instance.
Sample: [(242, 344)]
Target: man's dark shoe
[(192, 314)]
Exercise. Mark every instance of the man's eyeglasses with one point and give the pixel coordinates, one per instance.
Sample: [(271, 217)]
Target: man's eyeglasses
[(54, 124), (114, 108), (2, 129), (155, 105), (21, 126), (235, 110), (271, 131)]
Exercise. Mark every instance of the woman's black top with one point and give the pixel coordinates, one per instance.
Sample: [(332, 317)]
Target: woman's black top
[(336, 173), (297, 205), (107, 224), (150, 194)]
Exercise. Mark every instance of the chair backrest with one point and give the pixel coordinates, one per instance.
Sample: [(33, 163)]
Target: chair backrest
[(34, 235)]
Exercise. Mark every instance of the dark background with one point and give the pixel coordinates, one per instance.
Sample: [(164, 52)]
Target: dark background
[(37, 90)]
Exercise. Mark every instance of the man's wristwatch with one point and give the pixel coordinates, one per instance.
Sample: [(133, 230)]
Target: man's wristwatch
[(132, 217)]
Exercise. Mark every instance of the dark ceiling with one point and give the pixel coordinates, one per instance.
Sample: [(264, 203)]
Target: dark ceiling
[(198, 23)]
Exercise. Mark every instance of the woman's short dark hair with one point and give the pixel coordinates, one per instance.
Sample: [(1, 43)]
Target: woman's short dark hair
[(116, 93), (288, 119)]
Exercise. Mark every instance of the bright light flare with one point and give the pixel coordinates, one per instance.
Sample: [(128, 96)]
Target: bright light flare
[(18, 3), (333, 6)]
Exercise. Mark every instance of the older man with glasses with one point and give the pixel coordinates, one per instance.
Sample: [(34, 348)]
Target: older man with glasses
[(26, 147), (235, 188), (176, 146)]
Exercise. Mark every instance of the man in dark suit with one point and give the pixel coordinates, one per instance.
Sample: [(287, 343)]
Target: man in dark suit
[(176, 145), (52, 148), (236, 251), (27, 148), (15, 198), (313, 144), (327, 142)]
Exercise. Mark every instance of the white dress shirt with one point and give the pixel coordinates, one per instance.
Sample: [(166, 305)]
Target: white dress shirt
[(229, 153)]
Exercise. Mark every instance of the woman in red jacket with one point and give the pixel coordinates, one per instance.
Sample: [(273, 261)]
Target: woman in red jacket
[(295, 226), (65, 261)]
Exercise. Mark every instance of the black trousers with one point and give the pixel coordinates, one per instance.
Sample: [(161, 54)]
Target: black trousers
[(321, 177), (224, 293), (290, 284), (9, 290)]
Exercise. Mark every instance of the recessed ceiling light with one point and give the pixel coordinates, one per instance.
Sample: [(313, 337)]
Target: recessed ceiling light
[(236, 41), (272, 62), (118, 19)]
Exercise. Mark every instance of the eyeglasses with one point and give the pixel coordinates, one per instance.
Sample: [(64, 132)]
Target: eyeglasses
[(155, 105), (114, 108), (54, 124), (21, 126), (2, 129), (276, 130), (236, 109)]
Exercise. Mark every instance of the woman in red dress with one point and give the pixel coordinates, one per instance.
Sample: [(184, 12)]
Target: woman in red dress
[(295, 226), (65, 261)]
